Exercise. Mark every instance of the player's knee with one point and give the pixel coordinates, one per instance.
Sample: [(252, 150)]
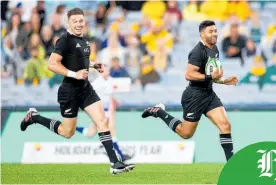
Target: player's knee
[(186, 134), (102, 124), (224, 125), (69, 133)]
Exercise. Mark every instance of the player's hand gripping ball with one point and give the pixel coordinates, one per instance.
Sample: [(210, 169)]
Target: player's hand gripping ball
[(214, 68), (212, 65)]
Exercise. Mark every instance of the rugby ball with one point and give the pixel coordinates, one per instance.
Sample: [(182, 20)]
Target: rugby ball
[(212, 65)]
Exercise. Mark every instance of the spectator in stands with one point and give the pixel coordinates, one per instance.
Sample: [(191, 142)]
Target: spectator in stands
[(172, 18), (14, 60), (60, 15), (58, 28), (160, 58), (250, 48), (4, 10), (116, 70), (36, 68), (215, 10), (41, 11), (274, 48), (31, 72), (153, 9), (233, 19), (192, 12), (93, 50), (254, 50), (24, 8), (133, 54), (47, 39), (148, 73), (258, 71), (241, 8), (13, 28), (35, 22), (255, 28), (35, 42), (267, 40), (100, 16), (271, 72), (131, 5), (22, 40), (133, 33), (145, 25), (157, 36), (113, 49), (114, 11), (233, 45), (114, 30)]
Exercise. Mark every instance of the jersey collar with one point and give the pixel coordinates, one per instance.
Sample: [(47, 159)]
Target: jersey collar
[(204, 44)]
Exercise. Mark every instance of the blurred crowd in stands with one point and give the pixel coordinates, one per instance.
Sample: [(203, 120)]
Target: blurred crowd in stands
[(141, 49)]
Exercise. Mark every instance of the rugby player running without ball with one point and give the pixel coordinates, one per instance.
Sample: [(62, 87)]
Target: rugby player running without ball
[(199, 97), (70, 58)]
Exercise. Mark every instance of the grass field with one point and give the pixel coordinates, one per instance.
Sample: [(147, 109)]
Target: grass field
[(99, 174)]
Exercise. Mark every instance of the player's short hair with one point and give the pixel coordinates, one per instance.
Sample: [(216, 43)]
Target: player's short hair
[(205, 24), (74, 11)]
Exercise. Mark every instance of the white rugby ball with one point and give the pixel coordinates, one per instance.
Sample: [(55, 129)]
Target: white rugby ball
[(212, 65)]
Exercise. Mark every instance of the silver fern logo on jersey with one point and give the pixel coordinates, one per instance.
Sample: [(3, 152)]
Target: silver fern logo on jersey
[(267, 162)]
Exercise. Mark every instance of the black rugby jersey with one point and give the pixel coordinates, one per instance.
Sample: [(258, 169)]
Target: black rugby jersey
[(75, 53), (199, 56)]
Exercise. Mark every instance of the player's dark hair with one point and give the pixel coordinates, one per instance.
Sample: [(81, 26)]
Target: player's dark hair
[(205, 24), (74, 11)]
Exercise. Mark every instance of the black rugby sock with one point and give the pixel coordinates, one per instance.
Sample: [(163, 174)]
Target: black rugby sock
[(51, 124), (227, 145), (106, 140), (171, 121)]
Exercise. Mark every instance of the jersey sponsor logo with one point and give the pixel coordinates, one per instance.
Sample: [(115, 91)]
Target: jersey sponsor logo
[(78, 45)]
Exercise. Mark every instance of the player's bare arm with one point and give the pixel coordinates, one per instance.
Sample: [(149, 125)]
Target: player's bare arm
[(56, 66), (193, 74)]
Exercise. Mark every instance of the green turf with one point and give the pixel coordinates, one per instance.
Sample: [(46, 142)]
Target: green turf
[(99, 174)]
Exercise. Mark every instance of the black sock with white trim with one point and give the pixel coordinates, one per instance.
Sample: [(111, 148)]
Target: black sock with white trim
[(227, 145), (171, 121), (51, 124), (106, 140)]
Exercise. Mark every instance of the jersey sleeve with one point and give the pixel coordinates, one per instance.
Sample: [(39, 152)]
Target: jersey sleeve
[(61, 46), (195, 58)]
